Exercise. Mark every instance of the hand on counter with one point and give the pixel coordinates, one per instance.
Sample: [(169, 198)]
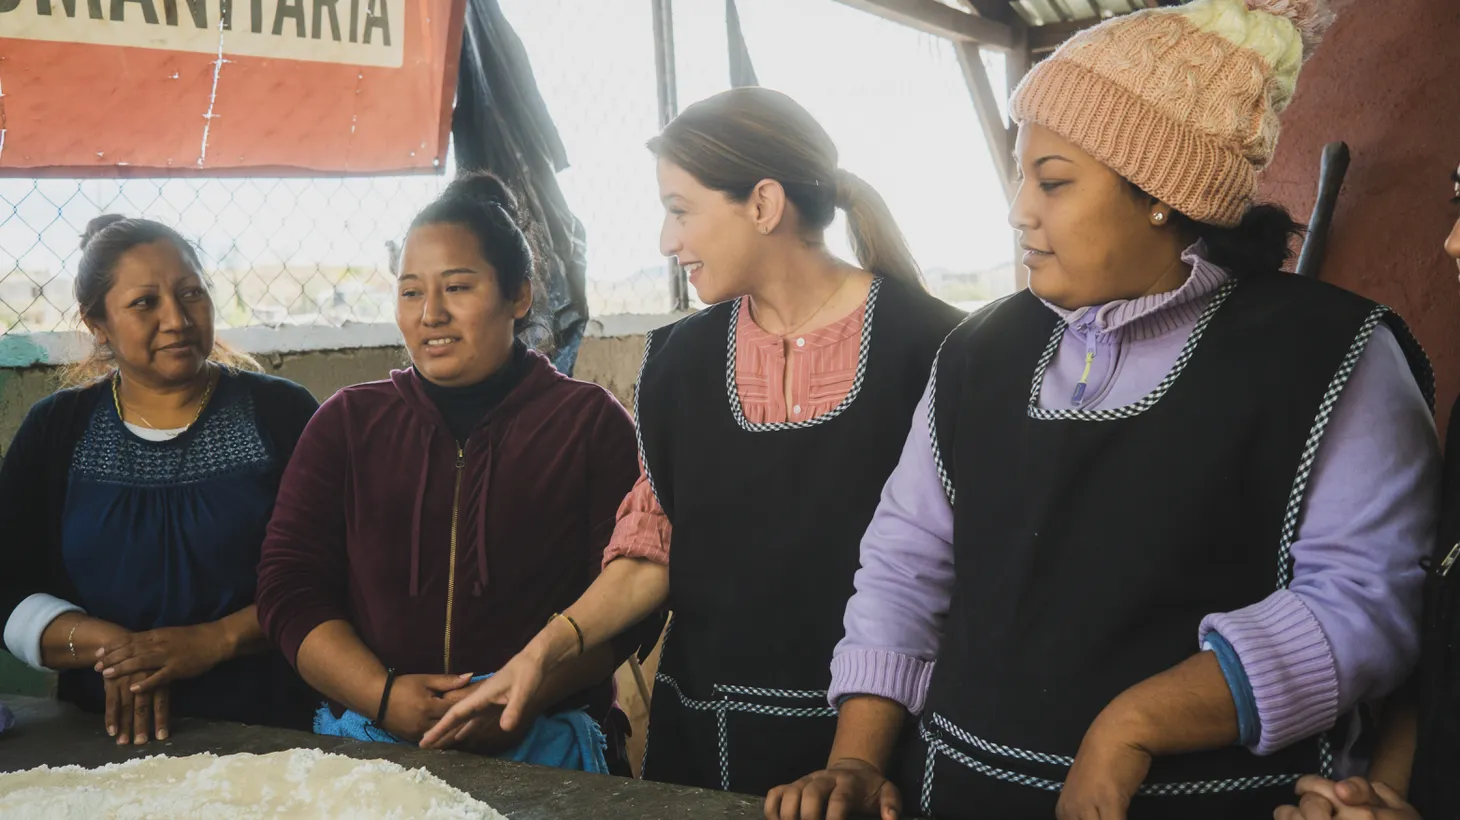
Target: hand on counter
[(501, 699), (1352, 799), (844, 789), (131, 716), (417, 702), (159, 656), (484, 734)]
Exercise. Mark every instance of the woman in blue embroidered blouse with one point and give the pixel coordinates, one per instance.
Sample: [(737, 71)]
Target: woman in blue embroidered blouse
[(133, 505)]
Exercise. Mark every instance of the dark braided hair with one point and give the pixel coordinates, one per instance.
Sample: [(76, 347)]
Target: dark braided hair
[(1261, 243)]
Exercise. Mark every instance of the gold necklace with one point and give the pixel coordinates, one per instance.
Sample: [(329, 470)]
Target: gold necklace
[(783, 334), (202, 402)]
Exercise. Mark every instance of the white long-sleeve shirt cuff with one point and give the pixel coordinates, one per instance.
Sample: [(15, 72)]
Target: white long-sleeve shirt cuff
[(24, 627)]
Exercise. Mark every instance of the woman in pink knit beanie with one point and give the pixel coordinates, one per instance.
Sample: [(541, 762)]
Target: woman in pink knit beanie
[(1192, 491)]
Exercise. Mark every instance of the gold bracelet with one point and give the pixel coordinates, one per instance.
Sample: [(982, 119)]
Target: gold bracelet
[(576, 630), (71, 640)]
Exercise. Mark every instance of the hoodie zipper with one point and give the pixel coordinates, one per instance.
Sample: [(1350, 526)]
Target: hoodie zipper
[(451, 572), (1079, 395)]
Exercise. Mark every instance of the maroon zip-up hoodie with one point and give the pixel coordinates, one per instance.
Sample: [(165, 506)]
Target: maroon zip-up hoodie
[(377, 498)]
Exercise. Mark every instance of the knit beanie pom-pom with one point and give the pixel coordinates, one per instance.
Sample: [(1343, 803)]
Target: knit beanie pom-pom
[(1311, 17)]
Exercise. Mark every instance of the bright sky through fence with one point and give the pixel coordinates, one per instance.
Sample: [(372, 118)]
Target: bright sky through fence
[(893, 99)]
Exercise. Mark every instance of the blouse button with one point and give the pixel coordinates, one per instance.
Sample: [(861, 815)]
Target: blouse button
[(800, 342), (796, 409)]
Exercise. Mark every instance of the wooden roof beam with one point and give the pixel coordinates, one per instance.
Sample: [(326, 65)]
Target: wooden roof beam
[(992, 9), (1047, 38), (998, 136), (937, 19)]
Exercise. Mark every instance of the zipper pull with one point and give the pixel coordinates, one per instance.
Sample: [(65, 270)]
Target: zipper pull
[(1079, 395), (460, 457), (1449, 561)]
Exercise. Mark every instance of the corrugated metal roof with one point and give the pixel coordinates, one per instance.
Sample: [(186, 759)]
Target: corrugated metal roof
[(1052, 21), (1049, 22), (1052, 12), (1046, 12)]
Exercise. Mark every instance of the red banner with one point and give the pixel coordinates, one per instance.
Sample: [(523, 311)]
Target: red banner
[(226, 87)]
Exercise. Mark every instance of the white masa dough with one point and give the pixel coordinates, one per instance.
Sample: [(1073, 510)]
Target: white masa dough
[(300, 783)]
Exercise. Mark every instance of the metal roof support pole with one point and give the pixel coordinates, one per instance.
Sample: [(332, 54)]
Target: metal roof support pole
[(668, 89), (998, 134), (1016, 64), (995, 132)]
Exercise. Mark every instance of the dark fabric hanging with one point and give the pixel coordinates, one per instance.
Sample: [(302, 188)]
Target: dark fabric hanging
[(742, 72), (502, 125)]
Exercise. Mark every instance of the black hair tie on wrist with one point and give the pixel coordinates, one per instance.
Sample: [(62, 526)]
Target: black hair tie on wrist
[(385, 698)]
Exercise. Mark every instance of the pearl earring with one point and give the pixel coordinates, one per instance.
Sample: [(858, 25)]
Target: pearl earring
[(1158, 217)]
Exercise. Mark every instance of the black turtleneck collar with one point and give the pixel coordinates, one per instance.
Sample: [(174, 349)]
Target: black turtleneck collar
[(464, 407)]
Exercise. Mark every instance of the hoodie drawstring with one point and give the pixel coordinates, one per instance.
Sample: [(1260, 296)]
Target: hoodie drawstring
[(416, 514), (481, 533)]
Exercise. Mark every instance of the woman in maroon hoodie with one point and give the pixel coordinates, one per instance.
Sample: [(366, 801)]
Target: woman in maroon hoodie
[(429, 525)]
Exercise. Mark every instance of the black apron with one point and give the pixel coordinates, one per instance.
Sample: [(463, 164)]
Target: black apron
[(1090, 544), (768, 521), (1434, 788)]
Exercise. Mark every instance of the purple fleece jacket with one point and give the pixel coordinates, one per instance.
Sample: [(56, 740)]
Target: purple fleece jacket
[(1346, 629)]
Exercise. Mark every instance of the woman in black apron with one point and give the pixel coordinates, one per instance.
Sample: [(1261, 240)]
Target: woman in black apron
[(1182, 496), (768, 424)]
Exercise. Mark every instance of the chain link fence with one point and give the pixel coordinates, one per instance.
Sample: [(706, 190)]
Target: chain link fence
[(278, 251), (318, 251)]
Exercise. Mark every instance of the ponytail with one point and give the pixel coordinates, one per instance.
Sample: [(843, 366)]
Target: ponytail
[(876, 240), (732, 141)]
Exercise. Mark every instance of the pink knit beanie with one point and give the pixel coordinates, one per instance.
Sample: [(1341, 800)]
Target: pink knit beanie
[(1181, 101)]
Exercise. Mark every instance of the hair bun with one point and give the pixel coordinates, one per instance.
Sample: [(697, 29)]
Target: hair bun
[(484, 187), (98, 225), (1310, 17)]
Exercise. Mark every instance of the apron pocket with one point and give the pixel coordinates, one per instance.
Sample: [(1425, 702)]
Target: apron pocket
[(771, 737)]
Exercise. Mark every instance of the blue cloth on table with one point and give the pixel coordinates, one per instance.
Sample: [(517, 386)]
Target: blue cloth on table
[(567, 740), (6, 718)]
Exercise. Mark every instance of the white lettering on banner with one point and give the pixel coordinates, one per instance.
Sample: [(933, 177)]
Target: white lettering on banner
[(352, 32)]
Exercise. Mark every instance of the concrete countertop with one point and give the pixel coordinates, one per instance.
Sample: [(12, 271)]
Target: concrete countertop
[(48, 732)]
